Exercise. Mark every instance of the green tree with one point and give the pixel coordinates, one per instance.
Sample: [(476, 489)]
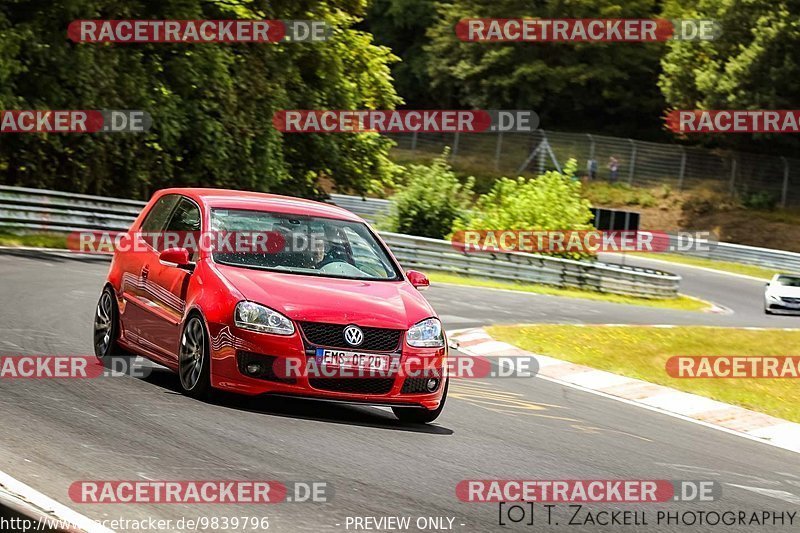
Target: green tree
[(608, 87), (211, 104), (402, 26), (551, 201), (430, 199), (753, 64)]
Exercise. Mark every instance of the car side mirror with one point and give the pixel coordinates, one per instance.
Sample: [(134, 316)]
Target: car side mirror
[(176, 257), (418, 280), (767, 285)]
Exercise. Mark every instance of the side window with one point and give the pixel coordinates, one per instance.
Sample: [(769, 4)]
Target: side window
[(159, 213), (185, 219), (156, 219)]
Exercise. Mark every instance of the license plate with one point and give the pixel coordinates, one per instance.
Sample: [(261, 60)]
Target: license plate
[(354, 360)]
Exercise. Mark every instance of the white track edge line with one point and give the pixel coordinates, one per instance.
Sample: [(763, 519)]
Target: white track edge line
[(60, 512)]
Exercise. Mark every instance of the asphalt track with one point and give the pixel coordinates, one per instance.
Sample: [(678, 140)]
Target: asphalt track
[(53, 433)]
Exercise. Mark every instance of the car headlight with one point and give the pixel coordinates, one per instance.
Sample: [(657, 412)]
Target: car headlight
[(255, 317), (426, 334)]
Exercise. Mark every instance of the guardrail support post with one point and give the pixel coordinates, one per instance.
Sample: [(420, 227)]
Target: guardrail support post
[(498, 150), (633, 162), (682, 171), (785, 188), (454, 153)]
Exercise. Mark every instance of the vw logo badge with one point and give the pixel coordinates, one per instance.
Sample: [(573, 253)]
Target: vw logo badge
[(353, 335)]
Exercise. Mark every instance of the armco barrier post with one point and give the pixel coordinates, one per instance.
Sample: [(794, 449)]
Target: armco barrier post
[(498, 150), (633, 162), (682, 171), (785, 187)]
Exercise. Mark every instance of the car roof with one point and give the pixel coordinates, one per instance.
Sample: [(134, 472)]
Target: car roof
[(259, 201)]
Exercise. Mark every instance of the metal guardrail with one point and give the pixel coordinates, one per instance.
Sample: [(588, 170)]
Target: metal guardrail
[(367, 208), (748, 255), (43, 210), (441, 256)]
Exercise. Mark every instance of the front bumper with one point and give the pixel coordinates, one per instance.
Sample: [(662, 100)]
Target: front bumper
[(782, 309), (232, 348)]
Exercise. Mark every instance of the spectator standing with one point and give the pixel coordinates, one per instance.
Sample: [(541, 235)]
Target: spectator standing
[(613, 166)]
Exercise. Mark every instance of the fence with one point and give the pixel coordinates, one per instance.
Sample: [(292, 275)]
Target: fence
[(42, 210), (640, 163)]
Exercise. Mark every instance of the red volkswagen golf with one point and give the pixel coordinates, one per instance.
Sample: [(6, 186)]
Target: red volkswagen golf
[(323, 310)]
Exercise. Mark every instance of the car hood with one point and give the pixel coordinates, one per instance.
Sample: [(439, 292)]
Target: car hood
[(780, 290), (380, 304)]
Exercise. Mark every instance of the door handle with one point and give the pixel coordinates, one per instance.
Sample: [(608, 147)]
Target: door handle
[(145, 272)]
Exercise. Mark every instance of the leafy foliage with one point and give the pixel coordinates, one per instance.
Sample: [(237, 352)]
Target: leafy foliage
[(551, 201), (401, 25), (212, 104), (607, 87), (753, 64), (430, 200)]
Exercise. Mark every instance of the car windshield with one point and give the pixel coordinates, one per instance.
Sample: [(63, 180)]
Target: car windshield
[(788, 281), (306, 245)]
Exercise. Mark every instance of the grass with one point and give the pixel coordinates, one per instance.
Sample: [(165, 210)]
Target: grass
[(641, 352), (682, 302), (34, 240), (603, 193), (724, 266)]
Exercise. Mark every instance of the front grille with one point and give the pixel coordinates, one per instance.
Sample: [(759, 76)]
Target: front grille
[(416, 386), (353, 385), (267, 365), (788, 300), (332, 335)]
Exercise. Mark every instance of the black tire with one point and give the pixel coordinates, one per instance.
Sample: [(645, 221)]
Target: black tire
[(106, 328), (417, 415), (194, 359)]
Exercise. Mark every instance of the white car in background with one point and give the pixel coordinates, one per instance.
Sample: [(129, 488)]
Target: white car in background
[(782, 294)]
